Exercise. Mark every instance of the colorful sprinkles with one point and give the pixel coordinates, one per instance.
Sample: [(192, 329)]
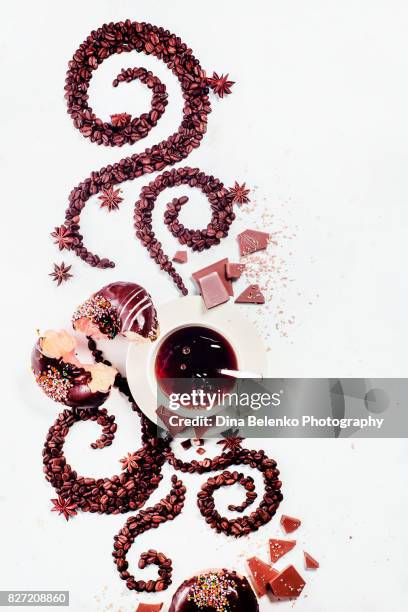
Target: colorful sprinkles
[(54, 384), (101, 312), (211, 591)]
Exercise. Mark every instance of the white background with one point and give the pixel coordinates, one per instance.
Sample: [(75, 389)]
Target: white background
[(317, 126)]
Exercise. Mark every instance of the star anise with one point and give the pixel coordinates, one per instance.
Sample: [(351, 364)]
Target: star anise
[(110, 198), (64, 506), (131, 462), (231, 440), (120, 120), (239, 193), (220, 84), (63, 237), (61, 273)]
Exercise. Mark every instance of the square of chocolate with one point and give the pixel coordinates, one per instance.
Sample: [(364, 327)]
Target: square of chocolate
[(180, 257), (251, 241), (233, 271), (213, 290), (219, 267)]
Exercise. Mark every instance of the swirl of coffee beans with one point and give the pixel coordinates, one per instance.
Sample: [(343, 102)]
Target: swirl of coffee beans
[(123, 37), (151, 518), (121, 493), (198, 240), (236, 456), (140, 477), (240, 526), (127, 309)]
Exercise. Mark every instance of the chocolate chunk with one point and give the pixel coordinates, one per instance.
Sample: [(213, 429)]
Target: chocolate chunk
[(164, 415), (180, 256), (288, 583), (310, 563), (251, 295), (262, 573), (278, 548), (289, 523), (186, 444), (233, 271), (213, 290), (149, 607), (251, 241), (200, 430), (219, 267), (201, 450), (197, 442)]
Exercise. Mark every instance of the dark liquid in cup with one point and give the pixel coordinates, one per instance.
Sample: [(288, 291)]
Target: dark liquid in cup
[(195, 353)]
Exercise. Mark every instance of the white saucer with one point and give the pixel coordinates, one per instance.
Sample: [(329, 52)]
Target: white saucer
[(225, 319)]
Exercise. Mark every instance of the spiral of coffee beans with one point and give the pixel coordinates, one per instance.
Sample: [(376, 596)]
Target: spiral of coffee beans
[(124, 37), (236, 456), (121, 493), (141, 475)]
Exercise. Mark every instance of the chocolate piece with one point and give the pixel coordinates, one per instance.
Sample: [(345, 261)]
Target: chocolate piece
[(289, 523), (186, 444), (201, 450), (310, 563), (213, 591), (125, 308), (180, 256), (149, 607), (262, 574), (288, 583), (278, 548), (233, 271), (213, 290), (200, 430), (251, 241), (251, 295), (197, 442), (219, 267), (164, 415)]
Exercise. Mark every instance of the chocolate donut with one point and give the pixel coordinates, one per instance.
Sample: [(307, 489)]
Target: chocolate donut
[(63, 378), (119, 308), (215, 591)]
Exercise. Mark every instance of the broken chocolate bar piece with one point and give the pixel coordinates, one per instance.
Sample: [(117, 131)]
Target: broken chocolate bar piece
[(201, 450), (219, 267), (289, 523), (197, 442), (288, 583), (251, 295), (310, 563), (149, 607), (164, 415), (186, 444), (233, 271), (278, 548), (213, 290), (200, 430), (251, 241), (180, 257), (262, 574)]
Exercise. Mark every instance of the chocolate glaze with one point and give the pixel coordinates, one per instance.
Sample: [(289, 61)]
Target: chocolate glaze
[(131, 311), (72, 381), (240, 595)]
